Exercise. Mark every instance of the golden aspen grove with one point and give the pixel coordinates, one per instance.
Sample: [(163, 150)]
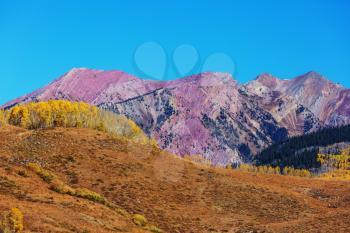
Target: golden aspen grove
[(62, 113), (338, 165), (2, 117), (275, 170)]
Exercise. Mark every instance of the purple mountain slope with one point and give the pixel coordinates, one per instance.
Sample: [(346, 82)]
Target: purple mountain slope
[(208, 114), (329, 102)]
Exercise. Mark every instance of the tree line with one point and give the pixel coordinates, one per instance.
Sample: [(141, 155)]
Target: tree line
[(302, 151)]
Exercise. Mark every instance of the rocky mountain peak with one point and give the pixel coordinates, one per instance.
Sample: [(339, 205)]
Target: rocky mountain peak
[(208, 114)]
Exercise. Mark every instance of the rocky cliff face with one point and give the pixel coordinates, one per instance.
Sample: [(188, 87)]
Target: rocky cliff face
[(208, 114), (289, 112), (205, 114), (327, 101)]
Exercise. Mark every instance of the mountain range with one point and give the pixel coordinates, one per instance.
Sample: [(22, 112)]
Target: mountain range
[(209, 114)]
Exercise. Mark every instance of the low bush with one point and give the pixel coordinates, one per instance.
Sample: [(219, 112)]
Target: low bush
[(154, 229), (12, 221), (3, 119), (140, 220), (58, 186), (45, 175), (90, 195)]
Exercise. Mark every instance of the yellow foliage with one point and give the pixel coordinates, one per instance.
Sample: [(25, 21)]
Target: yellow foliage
[(3, 120), (296, 172), (58, 186), (62, 113), (339, 165), (154, 229), (45, 175), (140, 220), (336, 175), (90, 195), (341, 161), (275, 170), (260, 169), (12, 222)]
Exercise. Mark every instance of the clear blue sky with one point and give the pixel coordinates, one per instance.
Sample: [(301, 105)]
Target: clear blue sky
[(41, 40)]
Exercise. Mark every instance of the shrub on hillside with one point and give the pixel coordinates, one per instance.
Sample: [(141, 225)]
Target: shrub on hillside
[(61, 113), (12, 221), (2, 118), (154, 229), (90, 195), (60, 187), (140, 220), (45, 175)]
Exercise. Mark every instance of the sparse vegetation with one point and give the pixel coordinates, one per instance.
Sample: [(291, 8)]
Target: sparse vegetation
[(12, 221), (90, 195), (336, 175), (275, 170), (58, 186), (45, 175), (140, 220), (22, 173), (3, 120), (154, 229), (61, 113), (197, 159), (203, 199)]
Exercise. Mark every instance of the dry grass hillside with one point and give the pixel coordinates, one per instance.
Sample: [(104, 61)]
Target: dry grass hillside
[(82, 180)]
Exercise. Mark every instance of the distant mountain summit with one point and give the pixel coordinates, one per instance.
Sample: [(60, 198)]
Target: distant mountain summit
[(329, 102), (208, 114)]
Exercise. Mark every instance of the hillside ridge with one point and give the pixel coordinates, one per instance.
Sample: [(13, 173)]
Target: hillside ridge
[(173, 194), (226, 122)]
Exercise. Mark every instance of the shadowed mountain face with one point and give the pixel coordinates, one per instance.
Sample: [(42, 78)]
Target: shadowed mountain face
[(208, 114)]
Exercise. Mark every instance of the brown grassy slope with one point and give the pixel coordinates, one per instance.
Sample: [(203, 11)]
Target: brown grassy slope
[(175, 195)]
